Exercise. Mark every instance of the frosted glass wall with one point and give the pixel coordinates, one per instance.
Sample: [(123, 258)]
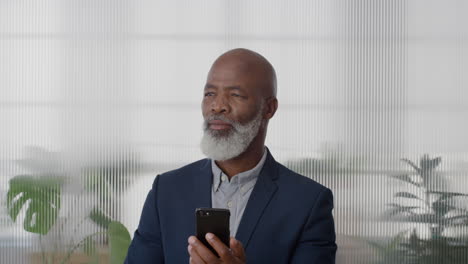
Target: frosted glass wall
[(98, 97)]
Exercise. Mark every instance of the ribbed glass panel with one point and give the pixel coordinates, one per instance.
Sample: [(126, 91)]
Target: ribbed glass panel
[(98, 97)]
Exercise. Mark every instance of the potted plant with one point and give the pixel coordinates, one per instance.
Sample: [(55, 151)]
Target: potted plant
[(433, 207), (40, 197)]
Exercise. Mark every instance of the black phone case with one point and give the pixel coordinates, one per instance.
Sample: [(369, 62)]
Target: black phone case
[(213, 220)]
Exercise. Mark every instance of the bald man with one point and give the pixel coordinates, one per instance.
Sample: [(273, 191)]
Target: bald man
[(277, 215)]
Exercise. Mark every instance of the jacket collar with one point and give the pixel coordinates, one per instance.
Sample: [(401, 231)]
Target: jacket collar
[(261, 195), (259, 198)]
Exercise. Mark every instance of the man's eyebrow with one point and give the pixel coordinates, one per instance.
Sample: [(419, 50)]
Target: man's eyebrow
[(209, 85), (233, 87)]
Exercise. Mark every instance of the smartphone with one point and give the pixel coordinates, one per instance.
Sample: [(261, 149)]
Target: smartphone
[(213, 220)]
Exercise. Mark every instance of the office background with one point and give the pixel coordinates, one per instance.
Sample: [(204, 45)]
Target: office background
[(98, 97)]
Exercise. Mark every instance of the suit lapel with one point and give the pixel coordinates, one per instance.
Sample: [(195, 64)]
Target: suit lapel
[(259, 199), (202, 183)]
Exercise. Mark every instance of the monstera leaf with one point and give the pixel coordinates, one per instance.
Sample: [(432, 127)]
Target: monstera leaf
[(43, 195)]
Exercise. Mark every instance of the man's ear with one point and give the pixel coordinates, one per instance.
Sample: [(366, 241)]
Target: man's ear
[(271, 107)]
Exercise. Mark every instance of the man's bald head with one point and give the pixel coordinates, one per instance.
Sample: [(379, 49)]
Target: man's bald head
[(244, 62), (239, 100)]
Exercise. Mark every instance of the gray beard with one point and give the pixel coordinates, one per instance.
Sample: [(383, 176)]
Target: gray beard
[(217, 145)]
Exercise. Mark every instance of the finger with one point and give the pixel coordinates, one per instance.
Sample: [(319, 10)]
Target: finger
[(205, 254), (223, 251), (237, 248), (194, 257)]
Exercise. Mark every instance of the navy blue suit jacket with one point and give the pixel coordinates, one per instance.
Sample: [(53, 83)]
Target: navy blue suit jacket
[(288, 218)]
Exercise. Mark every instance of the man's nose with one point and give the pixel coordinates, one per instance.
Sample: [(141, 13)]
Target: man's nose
[(219, 105)]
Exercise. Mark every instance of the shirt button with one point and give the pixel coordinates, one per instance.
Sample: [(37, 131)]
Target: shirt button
[(223, 178), (229, 204), (243, 189)]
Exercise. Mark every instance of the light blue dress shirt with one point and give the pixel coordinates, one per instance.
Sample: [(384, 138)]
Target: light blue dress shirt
[(233, 194)]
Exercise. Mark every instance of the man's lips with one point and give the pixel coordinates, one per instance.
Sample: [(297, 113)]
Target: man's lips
[(219, 125)]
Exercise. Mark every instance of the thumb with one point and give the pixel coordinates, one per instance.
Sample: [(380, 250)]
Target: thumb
[(237, 248)]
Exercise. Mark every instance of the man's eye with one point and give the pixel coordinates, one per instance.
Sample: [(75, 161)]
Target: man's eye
[(208, 94), (236, 95)]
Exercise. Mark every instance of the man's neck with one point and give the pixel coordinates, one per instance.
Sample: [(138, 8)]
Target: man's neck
[(244, 162)]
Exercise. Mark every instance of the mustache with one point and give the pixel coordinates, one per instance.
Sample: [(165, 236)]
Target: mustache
[(235, 125), (220, 118)]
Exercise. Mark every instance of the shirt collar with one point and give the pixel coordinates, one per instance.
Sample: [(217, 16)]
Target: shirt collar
[(243, 177)]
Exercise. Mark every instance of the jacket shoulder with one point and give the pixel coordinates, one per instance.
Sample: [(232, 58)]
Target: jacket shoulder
[(183, 173), (291, 179)]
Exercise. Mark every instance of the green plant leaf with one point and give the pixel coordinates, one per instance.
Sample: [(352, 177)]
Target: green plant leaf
[(421, 218), (119, 241), (40, 217), (447, 195), (428, 164), (406, 195), (401, 207), (405, 178), (409, 162), (98, 217), (44, 194), (15, 206), (456, 220), (442, 207), (397, 210)]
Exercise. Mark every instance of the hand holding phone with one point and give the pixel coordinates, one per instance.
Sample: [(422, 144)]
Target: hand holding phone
[(212, 220)]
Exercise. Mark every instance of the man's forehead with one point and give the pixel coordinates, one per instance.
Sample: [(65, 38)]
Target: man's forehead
[(227, 77), (234, 73)]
